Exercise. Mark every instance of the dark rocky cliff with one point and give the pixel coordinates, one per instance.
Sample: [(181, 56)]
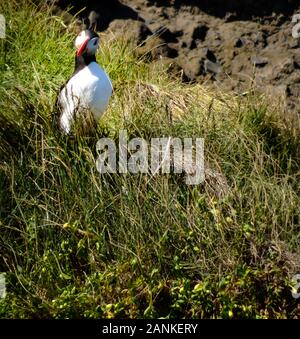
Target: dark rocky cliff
[(229, 43)]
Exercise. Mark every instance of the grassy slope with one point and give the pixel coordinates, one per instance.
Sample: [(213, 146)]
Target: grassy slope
[(77, 244)]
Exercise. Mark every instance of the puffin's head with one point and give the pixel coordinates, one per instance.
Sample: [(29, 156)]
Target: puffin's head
[(86, 42)]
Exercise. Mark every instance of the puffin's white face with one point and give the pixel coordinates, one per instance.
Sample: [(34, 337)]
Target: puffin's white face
[(86, 42)]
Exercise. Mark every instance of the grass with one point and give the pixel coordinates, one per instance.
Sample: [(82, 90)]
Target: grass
[(74, 243)]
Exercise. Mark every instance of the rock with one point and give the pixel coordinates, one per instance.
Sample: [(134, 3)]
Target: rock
[(259, 39), (193, 68), (238, 43), (279, 91), (293, 90), (171, 67), (210, 55), (259, 61), (295, 43), (165, 51), (166, 34), (156, 48), (198, 36), (296, 60), (212, 67), (199, 32), (129, 29), (183, 44), (229, 17), (283, 68)]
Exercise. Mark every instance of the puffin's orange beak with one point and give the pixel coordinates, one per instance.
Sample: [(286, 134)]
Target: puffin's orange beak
[(82, 47)]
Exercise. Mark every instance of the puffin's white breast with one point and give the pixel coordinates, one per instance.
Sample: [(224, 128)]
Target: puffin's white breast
[(89, 89)]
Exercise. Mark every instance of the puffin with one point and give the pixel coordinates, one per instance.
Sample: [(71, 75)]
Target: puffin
[(83, 99)]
